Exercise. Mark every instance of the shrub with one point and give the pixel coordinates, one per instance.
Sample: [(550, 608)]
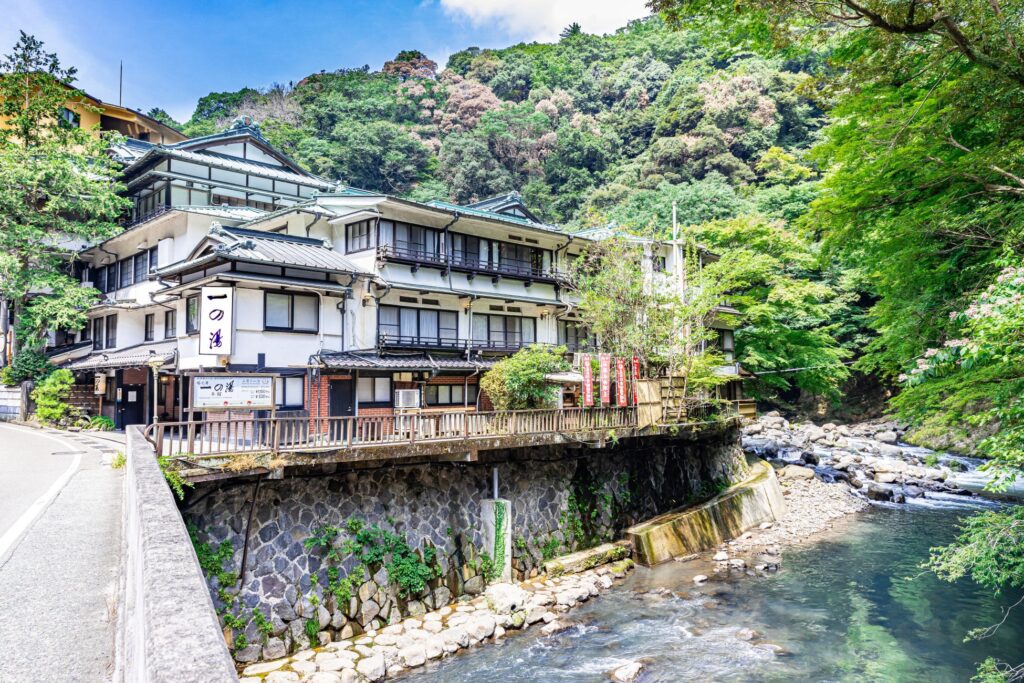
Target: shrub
[(28, 364), (50, 394), (101, 423), (517, 382)]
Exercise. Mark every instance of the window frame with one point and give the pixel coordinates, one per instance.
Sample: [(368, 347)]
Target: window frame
[(351, 244), (291, 312), (442, 340), (283, 398), (170, 324), (506, 333), (97, 334), (149, 327), (110, 332), (470, 393), (374, 379), (192, 301)]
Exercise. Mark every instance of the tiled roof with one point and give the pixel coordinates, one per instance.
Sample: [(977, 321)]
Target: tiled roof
[(129, 150), (372, 360), (232, 164), (234, 213), (134, 356), (265, 216), (258, 246), (494, 215)]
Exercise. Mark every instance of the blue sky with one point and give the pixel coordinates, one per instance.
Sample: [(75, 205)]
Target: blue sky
[(176, 52)]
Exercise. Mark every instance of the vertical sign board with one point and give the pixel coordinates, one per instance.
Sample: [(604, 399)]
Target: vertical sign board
[(216, 321), (588, 380), (605, 368), (636, 380), (620, 382)]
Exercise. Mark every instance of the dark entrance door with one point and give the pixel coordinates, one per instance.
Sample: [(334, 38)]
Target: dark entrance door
[(131, 399), (342, 403)]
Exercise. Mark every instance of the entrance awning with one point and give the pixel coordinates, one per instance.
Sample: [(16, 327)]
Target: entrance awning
[(132, 357)]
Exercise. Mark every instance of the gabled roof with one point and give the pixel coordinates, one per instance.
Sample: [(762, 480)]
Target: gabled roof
[(494, 215), (502, 204), (138, 154), (258, 246)]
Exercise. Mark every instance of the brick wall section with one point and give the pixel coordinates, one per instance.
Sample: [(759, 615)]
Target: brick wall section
[(318, 403)]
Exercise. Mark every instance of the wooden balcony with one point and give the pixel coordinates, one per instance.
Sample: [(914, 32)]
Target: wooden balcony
[(242, 446)]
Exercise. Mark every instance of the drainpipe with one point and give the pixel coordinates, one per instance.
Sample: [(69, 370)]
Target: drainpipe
[(447, 250)]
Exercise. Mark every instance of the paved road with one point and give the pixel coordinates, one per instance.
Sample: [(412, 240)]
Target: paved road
[(58, 577)]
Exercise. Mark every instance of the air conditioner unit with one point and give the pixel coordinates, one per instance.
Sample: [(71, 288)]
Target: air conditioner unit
[(406, 399)]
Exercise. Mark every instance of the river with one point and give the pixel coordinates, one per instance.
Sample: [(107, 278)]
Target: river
[(852, 606)]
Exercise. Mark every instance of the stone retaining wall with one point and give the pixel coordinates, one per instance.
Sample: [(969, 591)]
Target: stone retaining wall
[(561, 499), (168, 630)]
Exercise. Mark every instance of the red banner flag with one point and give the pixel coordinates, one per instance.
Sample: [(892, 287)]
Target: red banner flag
[(604, 361), (620, 382), (636, 380), (588, 380)]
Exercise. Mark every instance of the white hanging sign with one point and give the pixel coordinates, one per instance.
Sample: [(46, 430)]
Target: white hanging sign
[(217, 321)]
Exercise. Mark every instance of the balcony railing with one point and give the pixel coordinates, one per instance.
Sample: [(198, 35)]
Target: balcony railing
[(397, 341), (507, 267), (219, 438), (142, 218), (443, 343), (409, 252)]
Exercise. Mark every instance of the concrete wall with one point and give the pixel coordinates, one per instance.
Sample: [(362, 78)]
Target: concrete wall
[(168, 629), (560, 499)]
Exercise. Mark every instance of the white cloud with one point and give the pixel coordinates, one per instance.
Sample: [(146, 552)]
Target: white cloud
[(543, 20)]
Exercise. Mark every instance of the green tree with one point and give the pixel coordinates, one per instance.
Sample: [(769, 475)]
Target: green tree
[(51, 396), (163, 117), (518, 382), (57, 187)]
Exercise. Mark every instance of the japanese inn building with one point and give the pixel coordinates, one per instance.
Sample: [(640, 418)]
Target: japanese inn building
[(344, 295)]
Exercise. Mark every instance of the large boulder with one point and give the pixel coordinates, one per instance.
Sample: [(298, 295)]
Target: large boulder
[(887, 436), (506, 598), (815, 433)]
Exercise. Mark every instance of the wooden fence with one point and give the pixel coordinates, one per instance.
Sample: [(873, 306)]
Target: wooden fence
[(206, 438)]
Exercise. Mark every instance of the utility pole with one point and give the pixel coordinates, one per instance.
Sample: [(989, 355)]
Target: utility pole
[(120, 84)]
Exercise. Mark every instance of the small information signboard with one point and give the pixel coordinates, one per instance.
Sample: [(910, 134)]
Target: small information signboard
[(232, 392)]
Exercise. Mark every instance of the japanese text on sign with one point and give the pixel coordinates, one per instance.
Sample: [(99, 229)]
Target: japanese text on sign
[(604, 361), (232, 391), (620, 382), (216, 321), (588, 380)]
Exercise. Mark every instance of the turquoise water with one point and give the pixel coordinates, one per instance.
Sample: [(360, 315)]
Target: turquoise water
[(854, 607)]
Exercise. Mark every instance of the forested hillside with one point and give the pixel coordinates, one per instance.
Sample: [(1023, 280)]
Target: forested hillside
[(595, 130)]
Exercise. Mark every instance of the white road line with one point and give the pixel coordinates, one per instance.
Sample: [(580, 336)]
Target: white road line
[(14, 533)]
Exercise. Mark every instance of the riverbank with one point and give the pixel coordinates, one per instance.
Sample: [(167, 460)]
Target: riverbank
[(827, 473), (812, 508), (379, 654)]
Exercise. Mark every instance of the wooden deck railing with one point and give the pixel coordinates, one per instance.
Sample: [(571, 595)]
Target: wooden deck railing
[(213, 438)]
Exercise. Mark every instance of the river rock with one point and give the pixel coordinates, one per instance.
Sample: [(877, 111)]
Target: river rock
[(700, 578), (721, 556), (413, 656), (372, 667), (627, 673), (506, 598), (886, 477), (815, 433), (886, 436), (796, 472)]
